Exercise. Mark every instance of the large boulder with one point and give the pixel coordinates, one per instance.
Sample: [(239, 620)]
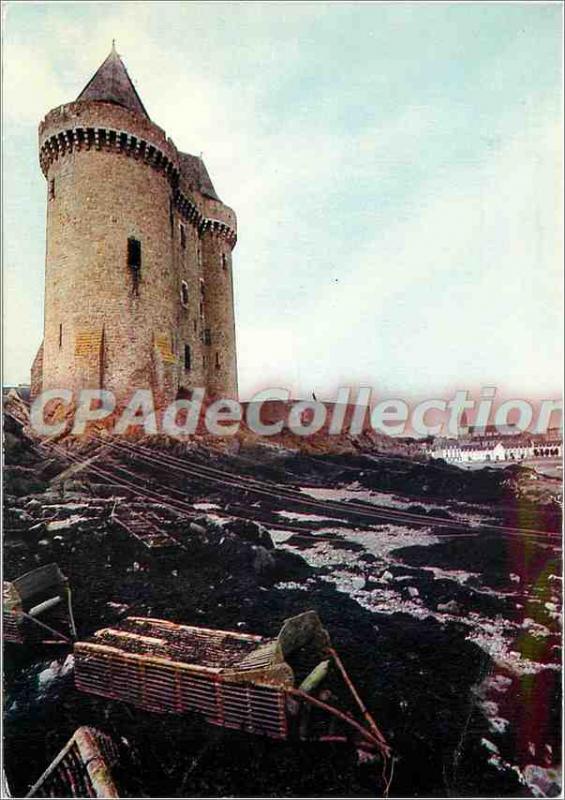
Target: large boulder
[(251, 532), (210, 541)]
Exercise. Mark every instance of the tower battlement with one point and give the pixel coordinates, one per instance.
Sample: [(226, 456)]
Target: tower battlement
[(138, 276)]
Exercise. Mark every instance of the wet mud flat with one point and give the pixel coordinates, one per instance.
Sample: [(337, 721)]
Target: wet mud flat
[(453, 643)]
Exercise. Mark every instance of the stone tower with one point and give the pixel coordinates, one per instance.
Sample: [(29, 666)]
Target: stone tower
[(138, 273)]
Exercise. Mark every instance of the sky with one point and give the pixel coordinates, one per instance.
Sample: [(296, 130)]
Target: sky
[(395, 168)]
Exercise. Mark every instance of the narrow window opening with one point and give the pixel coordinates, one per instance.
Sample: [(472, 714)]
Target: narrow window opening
[(187, 357), (182, 236), (207, 336), (60, 335), (204, 361), (184, 293), (217, 360), (52, 188), (134, 253), (134, 262), (224, 262), (201, 299)]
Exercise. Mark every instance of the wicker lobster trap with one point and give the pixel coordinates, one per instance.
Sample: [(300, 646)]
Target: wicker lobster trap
[(145, 530), (83, 768), (260, 685), (36, 606)]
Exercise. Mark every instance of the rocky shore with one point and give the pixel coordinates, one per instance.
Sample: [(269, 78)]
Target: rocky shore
[(448, 624)]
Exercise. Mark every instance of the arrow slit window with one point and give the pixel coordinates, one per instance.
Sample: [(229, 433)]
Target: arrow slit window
[(134, 262)]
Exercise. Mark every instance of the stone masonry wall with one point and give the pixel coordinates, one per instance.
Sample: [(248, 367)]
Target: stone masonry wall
[(220, 322), (101, 199), (112, 175), (37, 373)]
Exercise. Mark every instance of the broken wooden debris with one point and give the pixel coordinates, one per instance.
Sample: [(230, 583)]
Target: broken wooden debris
[(314, 678), (165, 667), (83, 768), (34, 603), (234, 680), (142, 528), (372, 724)]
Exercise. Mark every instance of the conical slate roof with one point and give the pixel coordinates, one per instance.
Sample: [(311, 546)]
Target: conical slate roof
[(196, 174), (112, 84)]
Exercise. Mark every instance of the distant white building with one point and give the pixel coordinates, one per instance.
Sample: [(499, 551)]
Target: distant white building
[(457, 451), (516, 451), (479, 451), (517, 448)]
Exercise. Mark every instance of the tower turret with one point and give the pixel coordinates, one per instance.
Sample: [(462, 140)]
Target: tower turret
[(133, 298)]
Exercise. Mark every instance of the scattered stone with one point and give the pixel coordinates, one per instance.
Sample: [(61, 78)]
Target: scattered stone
[(23, 516), (251, 531), (263, 561), (63, 524), (489, 745), (544, 782), (451, 607)]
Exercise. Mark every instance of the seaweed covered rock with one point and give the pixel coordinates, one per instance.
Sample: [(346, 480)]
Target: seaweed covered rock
[(251, 532), (220, 544)]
